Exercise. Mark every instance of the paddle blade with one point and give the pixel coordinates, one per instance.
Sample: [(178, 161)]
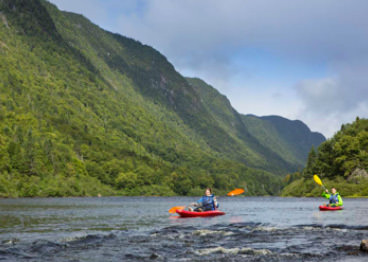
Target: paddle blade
[(235, 192), (173, 209), (317, 180)]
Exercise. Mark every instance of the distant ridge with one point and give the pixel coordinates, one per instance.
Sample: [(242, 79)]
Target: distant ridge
[(292, 135)]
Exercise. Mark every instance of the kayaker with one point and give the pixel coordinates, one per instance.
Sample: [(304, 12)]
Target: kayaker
[(334, 198), (205, 203)]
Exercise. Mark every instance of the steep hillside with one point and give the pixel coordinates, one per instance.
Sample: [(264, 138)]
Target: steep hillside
[(284, 143), (291, 139), (157, 81), (85, 111)]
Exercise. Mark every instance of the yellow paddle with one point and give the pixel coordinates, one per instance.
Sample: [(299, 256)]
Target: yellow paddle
[(318, 181)]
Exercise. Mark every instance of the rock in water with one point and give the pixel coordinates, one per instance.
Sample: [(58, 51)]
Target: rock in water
[(364, 245), (154, 256)]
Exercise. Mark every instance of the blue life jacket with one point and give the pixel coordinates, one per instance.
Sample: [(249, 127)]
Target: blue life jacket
[(334, 199), (207, 202)]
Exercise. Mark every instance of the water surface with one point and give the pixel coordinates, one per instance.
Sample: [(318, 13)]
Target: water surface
[(140, 229)]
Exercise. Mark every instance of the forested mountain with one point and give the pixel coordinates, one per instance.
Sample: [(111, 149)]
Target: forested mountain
[(292, 139), (340, 162), (286, 143), (85, 111)]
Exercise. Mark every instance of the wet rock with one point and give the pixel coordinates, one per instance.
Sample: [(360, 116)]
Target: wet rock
[(351, 250), (364, 245), (154, 256), (12, 241)]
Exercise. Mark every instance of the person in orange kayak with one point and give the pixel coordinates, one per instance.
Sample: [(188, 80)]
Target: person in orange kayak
[(334, 198), (205, 203)]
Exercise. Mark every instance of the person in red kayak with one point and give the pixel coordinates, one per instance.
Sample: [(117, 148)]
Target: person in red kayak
[(205, 203), (334, 198)]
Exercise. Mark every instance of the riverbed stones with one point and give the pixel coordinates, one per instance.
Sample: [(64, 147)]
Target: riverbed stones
[(364, 245)]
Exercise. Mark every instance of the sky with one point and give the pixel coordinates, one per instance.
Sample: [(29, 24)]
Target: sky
[(305, 60)]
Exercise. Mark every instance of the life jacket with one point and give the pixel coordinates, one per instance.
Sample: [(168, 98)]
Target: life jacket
[(207, 202), (334, 199)]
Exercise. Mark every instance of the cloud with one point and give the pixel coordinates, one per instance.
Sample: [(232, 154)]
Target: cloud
[(102, 13), (92, 9), (300, 59), (330, 36), (307, 29), (330, 102)]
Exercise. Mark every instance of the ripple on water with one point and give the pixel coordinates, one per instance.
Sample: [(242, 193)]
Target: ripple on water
[(102, 231), (233, 251), (206, 233)]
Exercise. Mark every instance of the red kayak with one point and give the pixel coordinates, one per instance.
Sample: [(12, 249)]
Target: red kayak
[(185, 213), (326, 208)]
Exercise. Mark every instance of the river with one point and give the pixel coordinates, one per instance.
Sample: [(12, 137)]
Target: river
[(141, 229)]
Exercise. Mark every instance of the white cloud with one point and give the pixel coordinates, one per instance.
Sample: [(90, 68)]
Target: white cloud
[(327, 40), (204, 35), (307, 29), (330, 102)]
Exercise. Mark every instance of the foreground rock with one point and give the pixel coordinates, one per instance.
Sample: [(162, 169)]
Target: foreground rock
[(364, 245)]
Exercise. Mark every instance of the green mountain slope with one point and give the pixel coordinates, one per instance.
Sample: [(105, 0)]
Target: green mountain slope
[(283, 143), (340, 162), (157, 81), (291, 139), (85, 111)]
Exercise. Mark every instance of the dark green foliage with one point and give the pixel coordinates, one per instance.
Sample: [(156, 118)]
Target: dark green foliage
[(86, 112), (309, 169), (342, 154), (336, 160)]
